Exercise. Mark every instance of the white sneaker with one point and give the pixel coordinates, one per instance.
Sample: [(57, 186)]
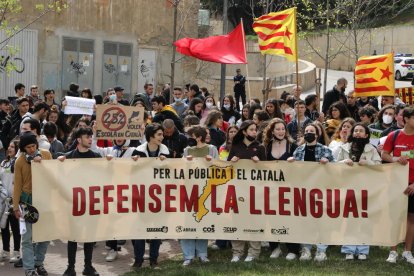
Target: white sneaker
[(187, 262), (392, 257), (276, 253), (406, 255), (4, 254), (111, 256), (235, 259), (204, 260), (249, 259), (362, 257), (214, 247), (291, 257), (306, 255), (264, 244), (349, 257), (14, 256), (320, 257)]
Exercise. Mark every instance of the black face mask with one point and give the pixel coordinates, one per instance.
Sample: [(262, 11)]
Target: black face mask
[(191, 142), (250, 138), (360, 142), (309, 137)]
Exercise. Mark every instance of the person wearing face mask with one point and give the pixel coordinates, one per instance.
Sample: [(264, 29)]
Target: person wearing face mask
[(208, 105), (280, 146), (179, 105), (192, 247), (245, 146), (358, 150), (385, 118), (230, 115), (312, 151), (334, 95)]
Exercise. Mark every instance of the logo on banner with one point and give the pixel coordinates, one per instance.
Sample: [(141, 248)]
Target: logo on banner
[(253, 231), (280, 231), (210, 229), (180, 229), (229, 229), (163, 229)]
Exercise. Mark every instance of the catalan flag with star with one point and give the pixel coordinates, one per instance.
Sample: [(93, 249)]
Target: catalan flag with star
[(277, 33), (374, 76)]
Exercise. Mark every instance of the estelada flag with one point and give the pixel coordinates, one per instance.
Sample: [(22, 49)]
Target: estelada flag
[(374, 76), (277, 33), (228, 49)]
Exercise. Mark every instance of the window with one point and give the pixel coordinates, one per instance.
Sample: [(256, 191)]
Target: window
[(78, 62), (117, 66)]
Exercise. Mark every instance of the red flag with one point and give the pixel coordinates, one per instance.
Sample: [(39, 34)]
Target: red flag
[(228, 49)]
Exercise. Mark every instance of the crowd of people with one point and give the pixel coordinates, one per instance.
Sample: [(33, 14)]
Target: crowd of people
[(193, 124)]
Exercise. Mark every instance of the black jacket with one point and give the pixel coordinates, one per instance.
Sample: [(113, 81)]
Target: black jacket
[(332, 96), (218, 137), (167, 114), (176, 144), (11, 128)]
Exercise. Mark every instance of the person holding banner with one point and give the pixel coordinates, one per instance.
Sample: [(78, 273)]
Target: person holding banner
[(358, 150), (245, 146), (280, 146), (83, 136), (154, 134), (312, 151), (400, 144), (33, 253), (191, 248), (340, 137)]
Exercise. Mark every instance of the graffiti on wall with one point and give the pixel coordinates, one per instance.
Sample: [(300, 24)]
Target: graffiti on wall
[(15, 62), (77, 67)]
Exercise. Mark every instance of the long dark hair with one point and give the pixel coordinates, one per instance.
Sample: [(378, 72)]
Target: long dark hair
[(238, 138), (343, 111), (367, 131), (278, 112)]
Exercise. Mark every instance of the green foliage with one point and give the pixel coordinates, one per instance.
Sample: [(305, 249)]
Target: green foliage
[(9, 9)]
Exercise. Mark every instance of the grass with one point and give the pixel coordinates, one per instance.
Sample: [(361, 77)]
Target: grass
[(336, 265)]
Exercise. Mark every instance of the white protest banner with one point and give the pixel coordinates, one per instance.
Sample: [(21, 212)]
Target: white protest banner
[(302, 202), (78, 105)]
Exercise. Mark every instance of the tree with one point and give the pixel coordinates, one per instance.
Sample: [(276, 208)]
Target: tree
[(361, 15), (9, 9)]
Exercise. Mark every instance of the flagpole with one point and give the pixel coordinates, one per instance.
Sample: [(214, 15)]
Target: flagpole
[(297, 72), (247, 67)]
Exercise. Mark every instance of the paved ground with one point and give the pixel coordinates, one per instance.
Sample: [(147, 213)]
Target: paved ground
[(56, 259)]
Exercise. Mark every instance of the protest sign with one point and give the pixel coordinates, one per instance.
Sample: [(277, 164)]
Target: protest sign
[(302, 202), (78, 105), (119, 122)]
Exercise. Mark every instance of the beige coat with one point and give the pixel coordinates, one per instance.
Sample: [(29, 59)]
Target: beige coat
[(370, 154)]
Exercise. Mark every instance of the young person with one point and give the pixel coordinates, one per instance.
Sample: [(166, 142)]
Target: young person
[(33, 253), (83, 137), (245, 146), (192, 247), (154, 134), (312, 151), (280, 146), (6, 193), (399, 145)]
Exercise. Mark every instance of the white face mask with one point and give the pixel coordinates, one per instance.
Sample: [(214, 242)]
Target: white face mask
[(226, 106), (209, 105), (387, 119)]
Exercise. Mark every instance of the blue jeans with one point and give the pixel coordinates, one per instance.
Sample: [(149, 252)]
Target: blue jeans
[(193, 248), (319, 247), (139, 250), (355, 249), (33, 253)]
